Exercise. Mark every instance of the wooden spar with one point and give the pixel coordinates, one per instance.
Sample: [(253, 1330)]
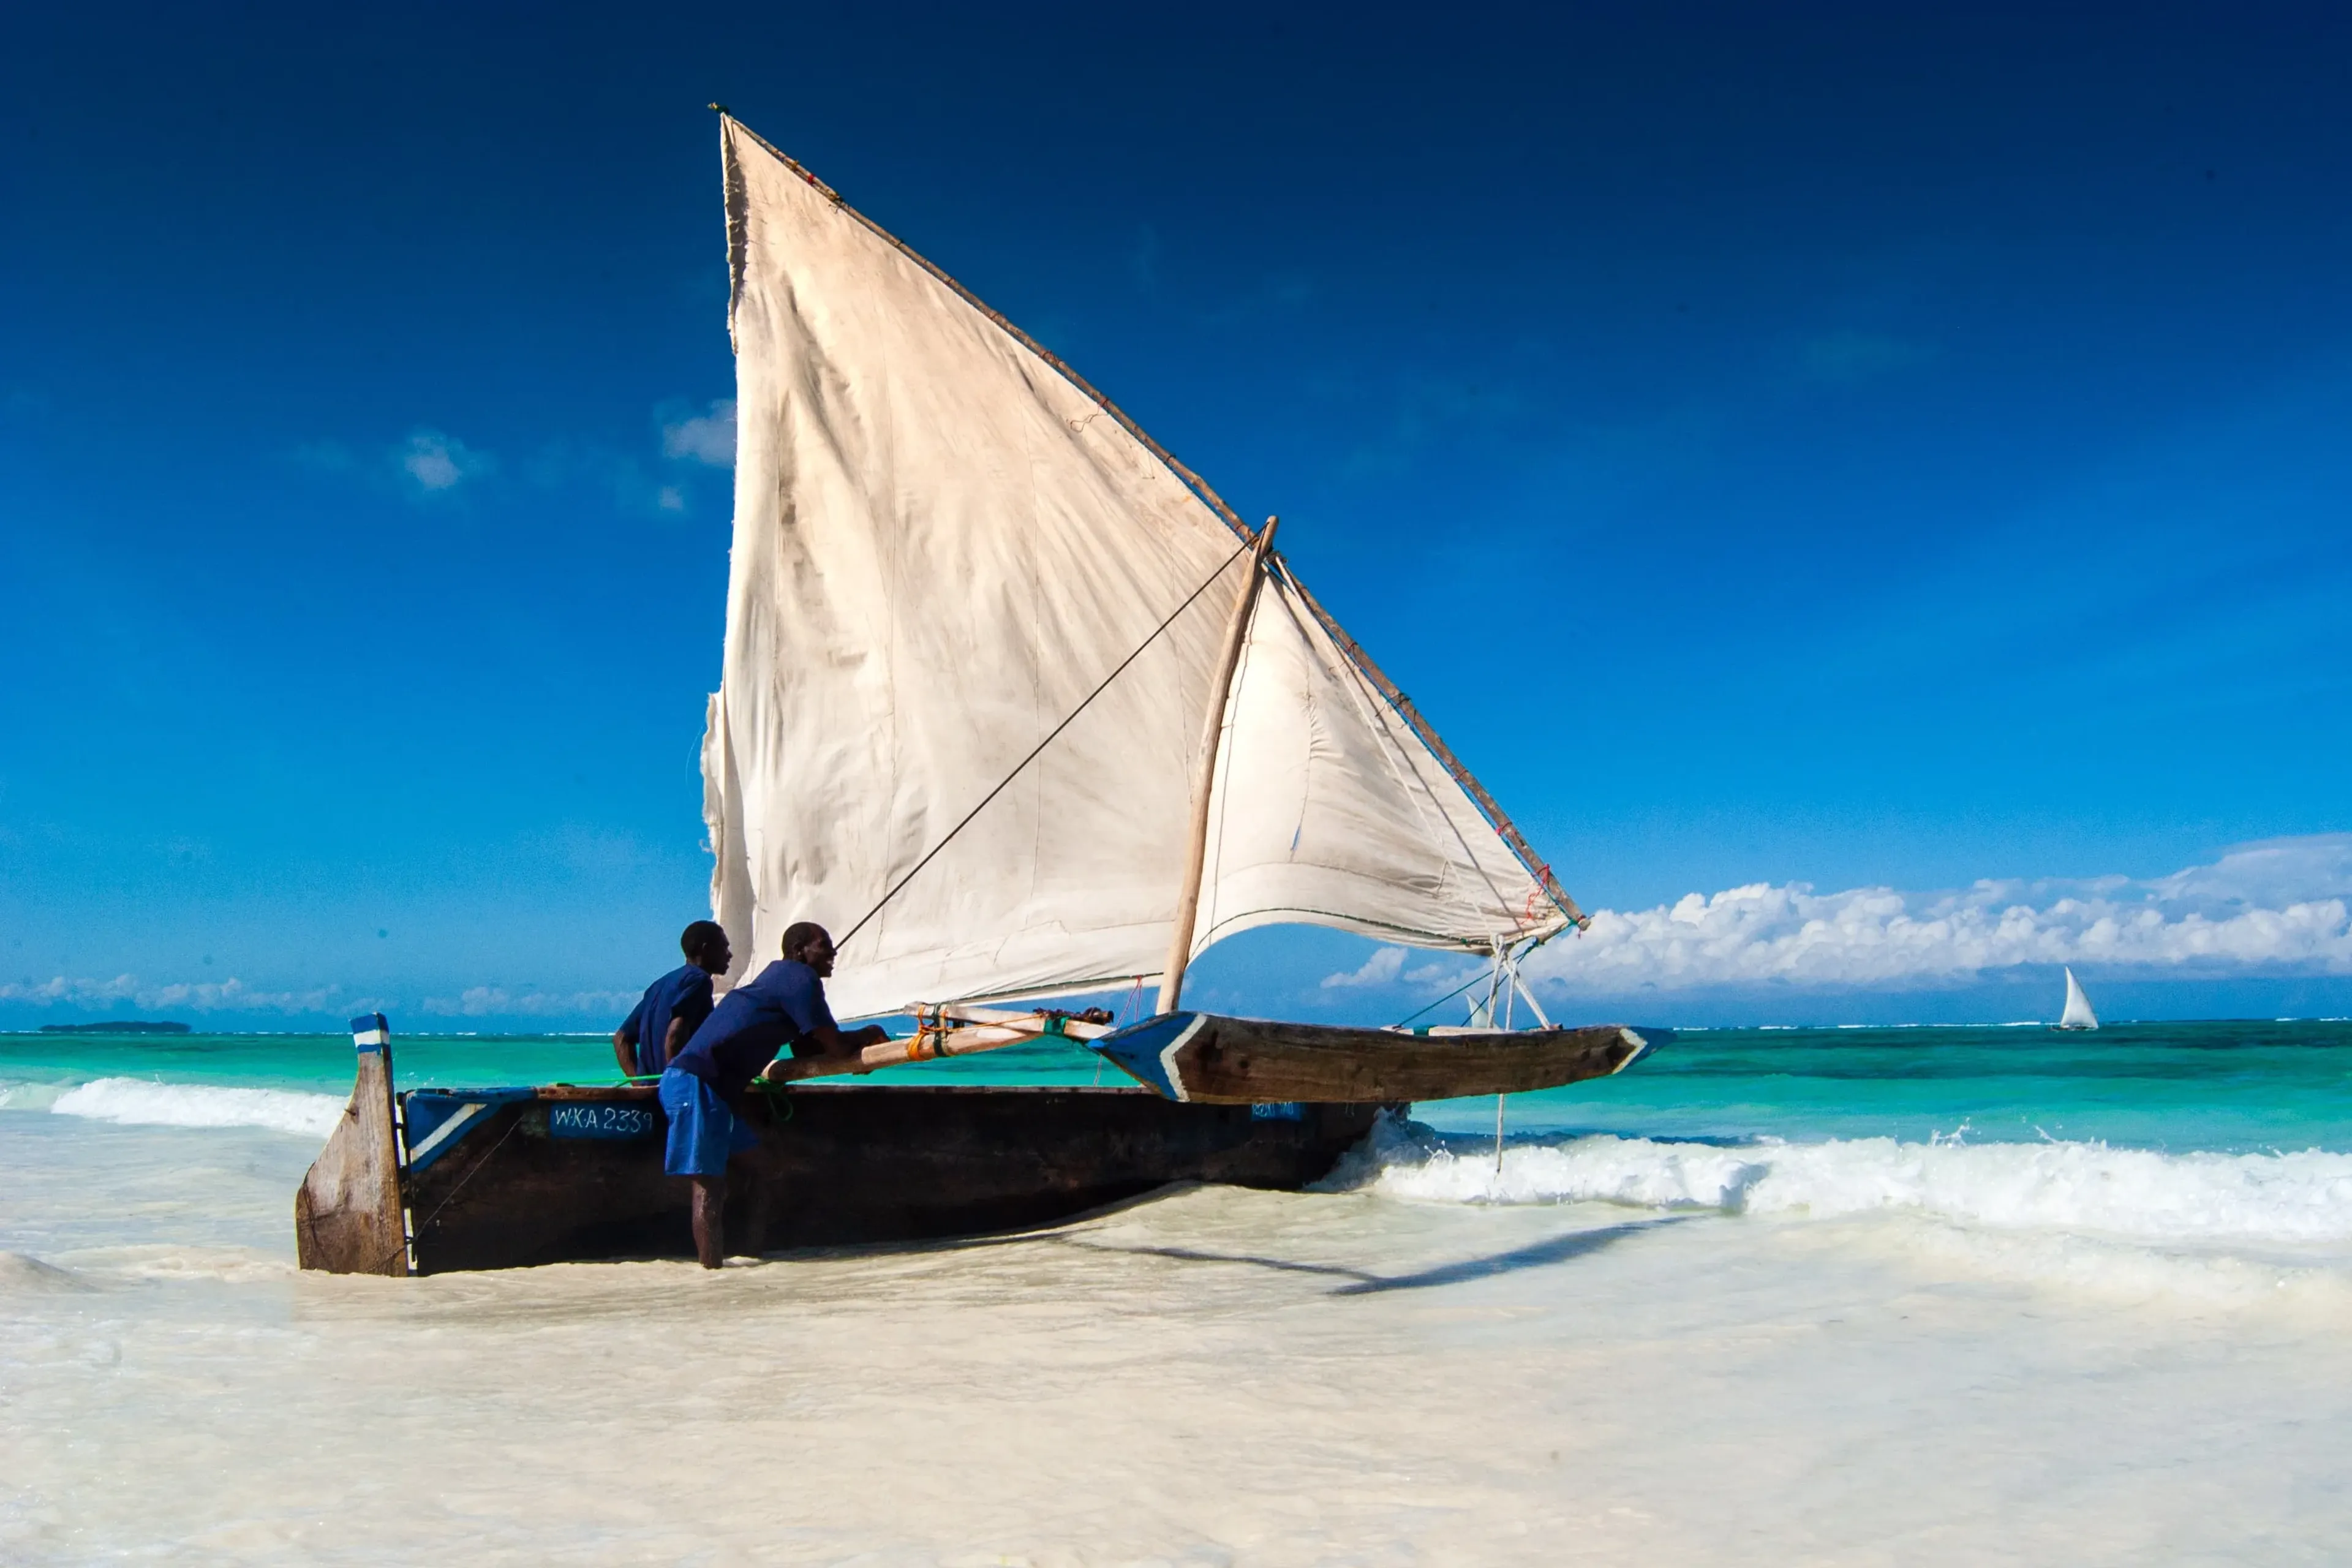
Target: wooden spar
[(942, 1032), (1204, 775), (1505, 828), (347, 1215), (1203, 1058)]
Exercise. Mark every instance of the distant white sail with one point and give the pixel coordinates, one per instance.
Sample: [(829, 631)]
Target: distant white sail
[(2078, 1014), (942, 544)]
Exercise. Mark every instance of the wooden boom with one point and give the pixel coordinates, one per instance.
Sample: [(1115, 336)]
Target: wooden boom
[(943, 1032)]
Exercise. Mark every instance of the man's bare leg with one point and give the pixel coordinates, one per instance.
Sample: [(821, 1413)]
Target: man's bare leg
[(710, 1220)]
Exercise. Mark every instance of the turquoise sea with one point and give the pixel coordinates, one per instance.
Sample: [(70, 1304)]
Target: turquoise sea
[(2228, 1087), (2191, 1131), (1874, 1296)]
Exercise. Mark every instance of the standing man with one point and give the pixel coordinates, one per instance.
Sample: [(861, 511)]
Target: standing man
[(674, 1006), (784, 1009)]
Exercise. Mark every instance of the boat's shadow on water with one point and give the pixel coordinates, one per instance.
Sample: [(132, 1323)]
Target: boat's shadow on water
[(1361, 1282), (1357, 1281)]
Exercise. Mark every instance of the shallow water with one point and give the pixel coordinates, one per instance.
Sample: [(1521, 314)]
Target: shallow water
[(1718, 1311)]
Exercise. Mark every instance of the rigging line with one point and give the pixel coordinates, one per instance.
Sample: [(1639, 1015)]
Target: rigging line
[(1024, 763), (1537, 868), (1402, 767), (417, 1232), (1442, 1001)]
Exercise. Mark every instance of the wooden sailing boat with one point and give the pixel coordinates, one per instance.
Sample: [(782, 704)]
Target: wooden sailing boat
[(1016, 703)]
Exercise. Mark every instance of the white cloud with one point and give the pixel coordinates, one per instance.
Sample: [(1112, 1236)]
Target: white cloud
[(69, 993), (496, 1001), (708, 437), (1386, 967), (2284, 906), (436, 461), (670, 498), (200, 996), (1382, 968)]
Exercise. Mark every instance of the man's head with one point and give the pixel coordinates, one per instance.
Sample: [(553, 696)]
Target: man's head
[(805, 942), (705, 945)]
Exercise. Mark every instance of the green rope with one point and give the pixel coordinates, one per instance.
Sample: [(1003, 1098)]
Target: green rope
[(1442, 1001)]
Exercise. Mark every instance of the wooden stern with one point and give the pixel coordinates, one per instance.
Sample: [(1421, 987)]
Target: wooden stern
[(347, 1217)]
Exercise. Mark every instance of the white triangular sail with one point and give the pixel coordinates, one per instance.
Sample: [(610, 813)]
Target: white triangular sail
[(2078, 1014), (943, 543)]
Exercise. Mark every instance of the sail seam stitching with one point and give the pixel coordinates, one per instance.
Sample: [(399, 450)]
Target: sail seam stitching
[(1435, 941)]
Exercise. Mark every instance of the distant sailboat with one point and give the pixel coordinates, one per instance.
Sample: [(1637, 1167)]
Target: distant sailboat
[(2078, 1014)]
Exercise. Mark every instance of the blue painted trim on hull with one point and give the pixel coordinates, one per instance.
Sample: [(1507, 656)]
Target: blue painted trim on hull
[(1139, 1050), (437, 1121)]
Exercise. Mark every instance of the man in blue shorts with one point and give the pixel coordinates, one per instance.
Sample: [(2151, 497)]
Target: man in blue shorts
[(783, 1009), (674, 1006)]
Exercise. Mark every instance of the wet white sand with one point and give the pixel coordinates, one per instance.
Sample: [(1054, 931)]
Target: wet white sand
[(1210, 1377)]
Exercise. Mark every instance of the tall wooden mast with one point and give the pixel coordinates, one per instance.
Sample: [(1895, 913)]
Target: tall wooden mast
[(1205, 774)]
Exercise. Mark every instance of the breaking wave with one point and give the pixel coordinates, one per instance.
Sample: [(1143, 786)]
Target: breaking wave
[(2129, 1193), (138, 1101)]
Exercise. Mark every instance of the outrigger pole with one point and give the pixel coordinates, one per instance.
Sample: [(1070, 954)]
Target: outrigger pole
[(1205, 774)]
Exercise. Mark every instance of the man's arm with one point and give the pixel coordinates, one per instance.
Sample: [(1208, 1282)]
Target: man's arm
[(835, 1042), (681, 1030), (624, 1046)]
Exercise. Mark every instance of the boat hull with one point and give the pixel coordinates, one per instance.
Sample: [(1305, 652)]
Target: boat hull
[(1204, 1059), (564, 1174)]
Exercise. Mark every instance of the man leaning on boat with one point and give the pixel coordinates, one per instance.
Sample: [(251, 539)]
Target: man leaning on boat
[(783, 1009), (674, 1006)]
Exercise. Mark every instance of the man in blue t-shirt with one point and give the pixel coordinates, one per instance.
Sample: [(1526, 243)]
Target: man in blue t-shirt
[(780, 1010), (674, 1006)]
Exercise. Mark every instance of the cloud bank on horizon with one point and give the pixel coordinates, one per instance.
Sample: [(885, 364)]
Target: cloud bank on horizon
[(2280, 906), (235, 997), (231, 995), (2284, 906)]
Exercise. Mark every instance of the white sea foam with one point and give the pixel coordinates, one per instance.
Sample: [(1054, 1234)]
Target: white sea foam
[(2138, 1193), (29, 1096), (139, 1102)]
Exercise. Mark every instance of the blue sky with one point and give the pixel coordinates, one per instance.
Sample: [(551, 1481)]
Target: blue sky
[(1815, 448)]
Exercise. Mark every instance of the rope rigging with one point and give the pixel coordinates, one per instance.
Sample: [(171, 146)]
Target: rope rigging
[(1018, 767)]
